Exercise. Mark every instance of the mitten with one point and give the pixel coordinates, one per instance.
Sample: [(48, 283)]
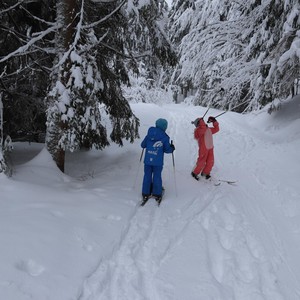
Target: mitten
[(211, 119)]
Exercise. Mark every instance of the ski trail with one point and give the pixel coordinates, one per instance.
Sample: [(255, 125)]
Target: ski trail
[(226, 256), (236, 258), (212, 244), (129, 272), (253, 204)]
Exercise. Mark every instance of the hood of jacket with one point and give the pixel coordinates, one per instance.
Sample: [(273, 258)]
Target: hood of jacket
[(155, 133)]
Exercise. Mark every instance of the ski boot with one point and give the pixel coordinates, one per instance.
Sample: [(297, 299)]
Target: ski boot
[(195, 176), (158, 199), (145, 199), (206, 176)]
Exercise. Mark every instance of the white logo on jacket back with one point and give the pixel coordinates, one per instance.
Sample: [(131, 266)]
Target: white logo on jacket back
[(158, 144)]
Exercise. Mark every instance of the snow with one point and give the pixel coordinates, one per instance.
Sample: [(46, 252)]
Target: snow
[(82, 235)]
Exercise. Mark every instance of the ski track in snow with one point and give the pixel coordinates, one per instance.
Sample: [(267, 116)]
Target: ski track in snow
[(130, 271), (253, 206), (224, 248)]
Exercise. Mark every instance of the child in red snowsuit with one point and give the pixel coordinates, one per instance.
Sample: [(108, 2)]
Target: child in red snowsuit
[(203, 134)]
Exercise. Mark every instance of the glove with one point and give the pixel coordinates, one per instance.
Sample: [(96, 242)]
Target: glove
[(172, 146), (211, 120)]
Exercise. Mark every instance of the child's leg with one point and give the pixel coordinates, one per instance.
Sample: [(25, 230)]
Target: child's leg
[(209, 162), (157, 181), (202, 156), (147, 181)]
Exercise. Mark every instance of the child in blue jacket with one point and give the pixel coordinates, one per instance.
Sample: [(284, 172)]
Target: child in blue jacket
[(156, 143)]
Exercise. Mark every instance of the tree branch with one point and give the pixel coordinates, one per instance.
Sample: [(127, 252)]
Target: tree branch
[(106, 17), (21, 50), (124, 55), (11, 7)]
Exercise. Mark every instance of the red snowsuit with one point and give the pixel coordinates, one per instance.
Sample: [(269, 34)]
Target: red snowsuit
[(203, 134)]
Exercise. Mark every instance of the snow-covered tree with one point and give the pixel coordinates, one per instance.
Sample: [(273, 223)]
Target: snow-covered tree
[(73, 117), (90, 47), (147, 35), (237, 53), (5, 144), (2, 161)]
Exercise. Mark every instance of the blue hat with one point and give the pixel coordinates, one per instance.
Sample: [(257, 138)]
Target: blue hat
[(162, 124)]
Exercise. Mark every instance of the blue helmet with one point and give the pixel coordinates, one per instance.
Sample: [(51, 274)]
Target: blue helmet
[(162, 124)]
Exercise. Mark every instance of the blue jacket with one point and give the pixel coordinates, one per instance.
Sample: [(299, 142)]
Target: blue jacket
[(156, 142)]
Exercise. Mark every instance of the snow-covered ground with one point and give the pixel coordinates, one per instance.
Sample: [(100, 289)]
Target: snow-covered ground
[(82, 235)]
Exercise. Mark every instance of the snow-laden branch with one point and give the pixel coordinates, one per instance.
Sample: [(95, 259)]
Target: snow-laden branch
[(104, 1), (106, 17), (147, 53), (37, 18), (1, 121), (79, 27), (246, 53), (22, 50), (11, 7)]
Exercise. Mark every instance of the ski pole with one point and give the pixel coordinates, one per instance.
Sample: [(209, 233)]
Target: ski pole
[(195, 123), (174, 170), (206, 112), (142, 154), (220, 114), (137, 173), (231, 109), (173, 156)]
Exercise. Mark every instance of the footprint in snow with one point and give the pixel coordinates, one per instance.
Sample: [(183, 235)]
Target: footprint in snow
[(112, 217), (57, 213), (30, 267)]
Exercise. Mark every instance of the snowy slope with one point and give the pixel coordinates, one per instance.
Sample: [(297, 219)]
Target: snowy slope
[(83, 235)]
